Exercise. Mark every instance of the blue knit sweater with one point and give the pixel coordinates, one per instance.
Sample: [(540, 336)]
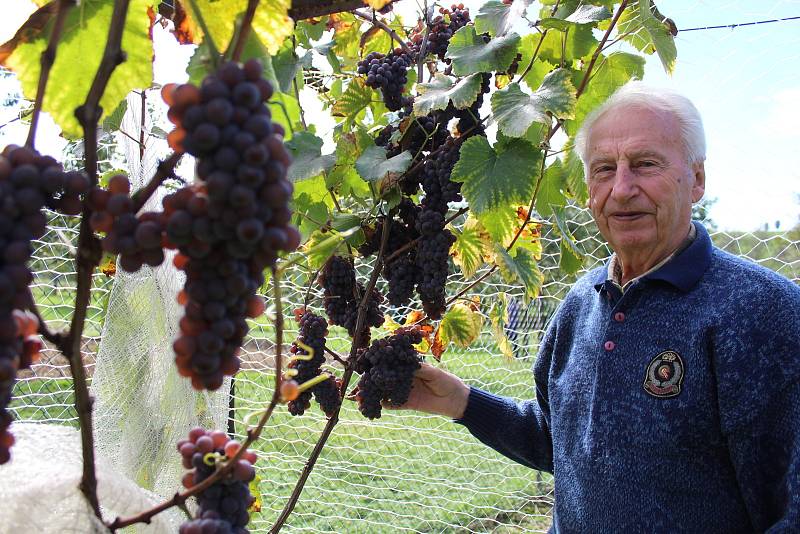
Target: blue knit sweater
[(674, 407)]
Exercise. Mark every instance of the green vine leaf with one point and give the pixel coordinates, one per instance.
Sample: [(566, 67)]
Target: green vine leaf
[(79, 53), (323, 244), (521, 268), (114, 120), (610, 73), (461, 325), (645, 28), (574, 177), (550, 190), (494, 178), (470, 54), (354, 101), (472, 247), (571, 258), (498, 316), (574, 43), (309, 215), (438, 93), (307, 158), (499, 222), (373, 165), (515, 111), (583, 15), (496, 18)]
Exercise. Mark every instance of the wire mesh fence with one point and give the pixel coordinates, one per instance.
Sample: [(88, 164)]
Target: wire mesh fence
[(404, 472)]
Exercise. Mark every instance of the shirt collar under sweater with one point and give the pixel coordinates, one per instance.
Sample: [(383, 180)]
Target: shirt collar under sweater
[(682, 269)]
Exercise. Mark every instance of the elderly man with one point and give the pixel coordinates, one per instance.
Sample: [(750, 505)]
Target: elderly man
[(668, 382)]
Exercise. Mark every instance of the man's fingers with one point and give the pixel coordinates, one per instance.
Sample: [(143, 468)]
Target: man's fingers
[(427, 372)]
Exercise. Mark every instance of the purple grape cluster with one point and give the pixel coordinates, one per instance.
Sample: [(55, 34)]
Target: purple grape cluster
[(389, 73), (343, 296), (387, 370), (313, 330), (223, 506)]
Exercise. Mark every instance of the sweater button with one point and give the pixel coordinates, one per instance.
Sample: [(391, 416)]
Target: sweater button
[(619, 317), (609, 345)]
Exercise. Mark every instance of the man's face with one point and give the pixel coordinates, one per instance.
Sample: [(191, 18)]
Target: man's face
[(641, 187)]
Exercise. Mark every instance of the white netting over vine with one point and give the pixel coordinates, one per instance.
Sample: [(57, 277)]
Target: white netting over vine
[(402, 473)]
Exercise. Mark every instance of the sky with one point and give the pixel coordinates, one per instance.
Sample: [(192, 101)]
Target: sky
[(744, 81)]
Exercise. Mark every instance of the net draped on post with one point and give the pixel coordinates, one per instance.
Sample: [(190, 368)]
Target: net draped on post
[(143, 407)]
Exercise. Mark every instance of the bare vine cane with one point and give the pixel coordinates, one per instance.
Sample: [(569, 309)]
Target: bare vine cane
[(48, 58), (88, 251)]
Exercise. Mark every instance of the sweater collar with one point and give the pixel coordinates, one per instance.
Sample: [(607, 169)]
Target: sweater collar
[(683, 271)]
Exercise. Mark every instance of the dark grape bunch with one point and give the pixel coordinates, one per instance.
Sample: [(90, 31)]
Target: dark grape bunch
[(343, 295), (137, 239), (448, 22), (29, 182), (19, 348), (313, 330), (232, 224), (389, 73), (387, 370), (400, 272), (433, 253), (222, 507)]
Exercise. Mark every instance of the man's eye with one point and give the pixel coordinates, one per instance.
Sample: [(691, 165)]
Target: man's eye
[(647, 163)]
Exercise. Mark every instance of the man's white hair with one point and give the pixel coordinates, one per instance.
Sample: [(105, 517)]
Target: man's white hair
[(638, 94)]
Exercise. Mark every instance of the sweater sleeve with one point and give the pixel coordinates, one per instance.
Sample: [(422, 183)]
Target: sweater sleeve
[(758, 380), (518, 430)]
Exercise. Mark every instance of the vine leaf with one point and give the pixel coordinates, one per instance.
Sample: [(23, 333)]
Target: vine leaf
[(79, 53), (540, 67), (499, 222), (498, 316), (520, 268), (373, 165), (496, 18), (461, 325), (355, 100), (272, 23), (493, 178), (114, 120), (377, 4), (550, 190), (323, 244), (515, 111), (576, 42), (611, 73), (472, 247), (349, 225), (309, 214), (438, 93), (470, 54), (307, 158), (574, 177), (583, 15), (286, 64), (645, 28), (571, 257)]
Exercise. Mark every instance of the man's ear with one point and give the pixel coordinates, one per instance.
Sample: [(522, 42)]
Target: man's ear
[(699, 184)]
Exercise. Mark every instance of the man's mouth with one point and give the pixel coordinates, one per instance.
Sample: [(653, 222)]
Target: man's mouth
[(627, 216)]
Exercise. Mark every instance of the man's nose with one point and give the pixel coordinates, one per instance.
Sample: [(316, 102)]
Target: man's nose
[(625, 186)]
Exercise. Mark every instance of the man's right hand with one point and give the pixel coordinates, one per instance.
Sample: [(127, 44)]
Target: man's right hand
[(438, 392)]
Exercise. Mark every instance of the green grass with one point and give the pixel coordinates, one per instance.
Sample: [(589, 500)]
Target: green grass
[(400, 473)]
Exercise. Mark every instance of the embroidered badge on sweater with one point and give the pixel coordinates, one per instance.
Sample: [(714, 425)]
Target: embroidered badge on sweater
[(664, 375)]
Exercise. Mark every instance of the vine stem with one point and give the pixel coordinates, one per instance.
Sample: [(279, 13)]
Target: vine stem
[(206, 34), (244, 30), (47, 60), (382, 25), (600, 46), (89, 252), (538, 45), (166, 169), (348, 373), (179, 499)]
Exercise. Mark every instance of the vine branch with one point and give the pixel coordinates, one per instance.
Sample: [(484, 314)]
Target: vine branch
[(244, 29), (166, 169), (48, 58), (382, 25), (600, 46), (348, 373), (89, 252)]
